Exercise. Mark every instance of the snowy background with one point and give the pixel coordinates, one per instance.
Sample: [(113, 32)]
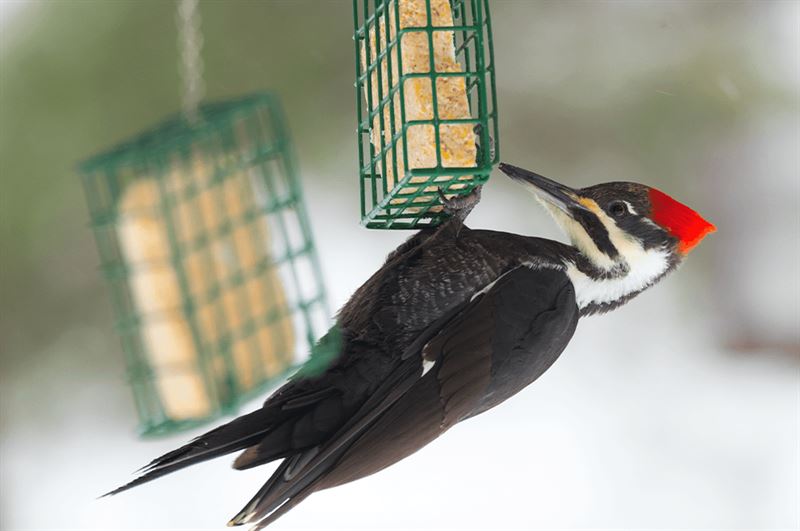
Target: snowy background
[(679, 411)]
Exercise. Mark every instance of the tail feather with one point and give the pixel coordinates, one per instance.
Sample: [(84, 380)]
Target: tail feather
[(274, 445), (283, 509), (238, 434), (248, 512), (284, 489), (298, 477)]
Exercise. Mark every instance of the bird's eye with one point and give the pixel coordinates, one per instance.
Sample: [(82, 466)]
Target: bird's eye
[(618, 209)]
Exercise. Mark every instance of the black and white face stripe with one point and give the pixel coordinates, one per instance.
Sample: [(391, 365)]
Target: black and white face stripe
[(633, 220), (597, 231), (638, 251)]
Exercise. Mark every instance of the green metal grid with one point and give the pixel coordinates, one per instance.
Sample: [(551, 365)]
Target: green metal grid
[(243, 146), (412, 201)]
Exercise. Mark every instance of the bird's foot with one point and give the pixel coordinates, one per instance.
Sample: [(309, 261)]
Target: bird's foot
[(459, 206)]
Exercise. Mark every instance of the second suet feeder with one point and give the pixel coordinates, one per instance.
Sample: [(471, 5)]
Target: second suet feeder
[(203, 236)]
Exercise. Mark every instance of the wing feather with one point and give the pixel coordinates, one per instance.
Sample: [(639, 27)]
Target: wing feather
[(529, 314)]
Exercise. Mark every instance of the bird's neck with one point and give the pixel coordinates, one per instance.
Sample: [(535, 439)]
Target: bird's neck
[(600, 288)]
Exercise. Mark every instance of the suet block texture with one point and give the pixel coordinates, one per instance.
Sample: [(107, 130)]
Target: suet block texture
[(203, 237), (426, 106)]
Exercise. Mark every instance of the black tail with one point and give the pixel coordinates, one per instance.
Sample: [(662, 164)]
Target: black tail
[(292, 482), (299, 476), (236, 435)]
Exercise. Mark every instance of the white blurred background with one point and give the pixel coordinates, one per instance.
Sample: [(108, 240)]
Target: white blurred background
[(679, 411)]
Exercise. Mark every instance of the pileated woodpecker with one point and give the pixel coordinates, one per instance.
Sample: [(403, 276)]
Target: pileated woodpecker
[(454, 323)]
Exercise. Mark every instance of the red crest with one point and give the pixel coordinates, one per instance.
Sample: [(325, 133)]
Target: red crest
[(681, 221)]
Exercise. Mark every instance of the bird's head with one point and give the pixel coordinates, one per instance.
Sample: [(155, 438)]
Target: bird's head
[(620, 227)]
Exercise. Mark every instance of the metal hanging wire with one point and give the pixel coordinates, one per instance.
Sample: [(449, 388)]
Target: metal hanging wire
[(190, 43)]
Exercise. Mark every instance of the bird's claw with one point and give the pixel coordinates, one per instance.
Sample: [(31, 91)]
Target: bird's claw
[(460, 205)]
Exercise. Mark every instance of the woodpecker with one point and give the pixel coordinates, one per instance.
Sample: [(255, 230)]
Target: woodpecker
[(455, 322)]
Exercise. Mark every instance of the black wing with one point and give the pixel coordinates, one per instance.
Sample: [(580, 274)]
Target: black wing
[(484, 352)]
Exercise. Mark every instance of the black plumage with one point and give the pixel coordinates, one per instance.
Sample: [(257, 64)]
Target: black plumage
[(371, 408)]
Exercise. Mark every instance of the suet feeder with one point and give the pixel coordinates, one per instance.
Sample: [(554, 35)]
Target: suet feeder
[(203, 237), (427, 113)]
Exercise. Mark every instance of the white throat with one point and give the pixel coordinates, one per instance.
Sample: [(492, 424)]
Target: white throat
[(643, 270)]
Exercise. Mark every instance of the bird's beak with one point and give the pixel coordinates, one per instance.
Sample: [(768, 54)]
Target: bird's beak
[(562, 197)]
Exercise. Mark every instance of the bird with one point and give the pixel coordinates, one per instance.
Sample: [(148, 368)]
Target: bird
[(455, 322)]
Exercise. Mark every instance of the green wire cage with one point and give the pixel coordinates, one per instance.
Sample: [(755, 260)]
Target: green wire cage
[(427, 112), (204, 240)]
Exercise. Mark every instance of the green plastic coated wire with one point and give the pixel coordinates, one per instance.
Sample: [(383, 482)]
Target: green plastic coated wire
[(244, 146), (408, 203)]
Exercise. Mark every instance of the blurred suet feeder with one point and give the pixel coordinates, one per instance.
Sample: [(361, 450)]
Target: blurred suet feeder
[(203, 237), (413, 139)]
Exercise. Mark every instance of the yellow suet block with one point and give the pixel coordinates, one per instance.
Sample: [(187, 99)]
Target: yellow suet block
[(457, 141), (224, 260)]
